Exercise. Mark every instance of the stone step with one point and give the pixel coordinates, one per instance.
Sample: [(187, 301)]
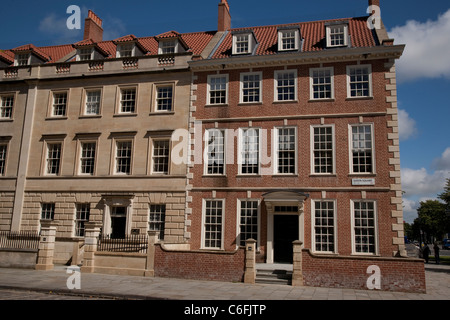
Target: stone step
[(273, 276)]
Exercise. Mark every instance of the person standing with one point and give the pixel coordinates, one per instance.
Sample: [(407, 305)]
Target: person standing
[(436, 253), (426, 252)]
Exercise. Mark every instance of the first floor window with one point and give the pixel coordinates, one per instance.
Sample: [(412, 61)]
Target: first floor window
[(213, 224), (93, 102), (362, 149), (323, 150), (123, 157), (215, 151), (3, 150), (364, 221), (6, 107), (286, 85), (251, 87), (359, 81), (127, 100), (87, 159), (53, 158), (286, 151), (48, 211), (322, 83), (248, 220), (157, 219), (82, 216), (161, 152), (249, 151), (324, 226), (164, 99), (218, 87), (59, 104)]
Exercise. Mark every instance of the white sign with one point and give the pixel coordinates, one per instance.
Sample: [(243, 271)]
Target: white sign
[(363, 182)]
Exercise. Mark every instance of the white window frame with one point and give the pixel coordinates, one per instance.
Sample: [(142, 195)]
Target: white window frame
[(51, 211), (312, 85), (4, 99), (333, 151), (281, 37), (206, 152), (126, 47), (222, 231), (370, 83), (241, 90), (158, 98), (80, 157), (313, 225), (258, 221), (166, 46), (53, 104), (350, 143), (215, 76), (154, 140), (20, 58), (120, 106), (375, 227), (82, 53), (47, 159), (81, 220), (279, 72), (85, 104), (276, 149), (160, 222), (237, 40), (241, 150), (3, 158), (344, 32), (115, 155)]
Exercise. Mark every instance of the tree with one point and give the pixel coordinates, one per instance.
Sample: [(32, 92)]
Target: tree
[(445, 196), (432, 219)]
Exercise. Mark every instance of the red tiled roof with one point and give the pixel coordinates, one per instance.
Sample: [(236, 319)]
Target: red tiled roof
[(91, 43), (7, 56), (30, 47), (313, 34), (169, 34)]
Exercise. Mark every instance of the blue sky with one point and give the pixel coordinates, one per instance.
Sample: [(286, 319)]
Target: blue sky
[(423, 72)]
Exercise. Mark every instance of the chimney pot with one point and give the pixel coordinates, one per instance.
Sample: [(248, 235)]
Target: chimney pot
[(374, 3)]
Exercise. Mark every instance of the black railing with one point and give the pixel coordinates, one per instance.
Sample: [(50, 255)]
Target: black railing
[(19, 240), (129, 243)]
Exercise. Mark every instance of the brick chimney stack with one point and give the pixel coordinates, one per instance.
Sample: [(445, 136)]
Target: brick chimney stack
[(224, 16), (93, 28), (374, 3)]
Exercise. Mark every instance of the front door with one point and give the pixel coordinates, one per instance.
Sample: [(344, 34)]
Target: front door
[(118, 222), (285, 231)]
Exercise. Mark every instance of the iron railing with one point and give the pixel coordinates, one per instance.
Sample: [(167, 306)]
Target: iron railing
[(130, 243), (19, 240)]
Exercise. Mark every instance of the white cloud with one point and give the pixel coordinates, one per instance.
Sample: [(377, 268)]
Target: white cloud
[(56, 27), (406, 125), (427, 48), (443, 163)]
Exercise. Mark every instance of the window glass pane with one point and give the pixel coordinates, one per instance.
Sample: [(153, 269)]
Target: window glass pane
[(286, 150), (218, 90), (164, 98), (286, 86), (250, 151), (324, 226), (248, 221), (6, 107), (323, 150), (322, 86), (362, 149), (364, 227), (82, 216), (87, 160), (127, 100), (161, 156), (359, 82), (3, 149), (215, 151), (123, 157), (93, 102), (251, 90), (48, 211), (59, 104), (157, 219), (213, 224), (53, 158)]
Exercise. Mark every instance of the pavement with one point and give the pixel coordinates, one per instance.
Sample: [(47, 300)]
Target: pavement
[(100, 286)]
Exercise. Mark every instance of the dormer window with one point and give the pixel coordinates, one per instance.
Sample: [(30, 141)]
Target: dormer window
[(288, 39), (337, 35), (168, 47), (85, 54), (23, 59), (243, 42), (125, 50)]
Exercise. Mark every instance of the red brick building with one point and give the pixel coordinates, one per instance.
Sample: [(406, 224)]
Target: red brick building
[(298, 131)]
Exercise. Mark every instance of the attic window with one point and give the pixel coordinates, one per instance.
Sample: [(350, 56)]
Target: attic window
[(23, 59), (168, 47), (288, 39), (337, 35), (243, 43), (85, 54), (125, 50)]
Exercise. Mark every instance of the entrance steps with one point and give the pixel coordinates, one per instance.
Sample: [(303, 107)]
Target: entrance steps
[(274, 273)]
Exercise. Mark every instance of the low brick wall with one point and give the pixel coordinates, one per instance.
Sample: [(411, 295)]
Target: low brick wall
[(200, 265), (397, 274)]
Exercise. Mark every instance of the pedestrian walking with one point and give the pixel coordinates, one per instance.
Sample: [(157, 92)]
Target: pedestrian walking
[(436, 253), (426, 252)]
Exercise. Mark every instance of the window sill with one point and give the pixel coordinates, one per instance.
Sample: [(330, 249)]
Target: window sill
[(285, 102), (322, 100), (362, 175), (162, 113), (358, 98), (250, 103), (125, 115), (248, 176), (56, 118), (97, 116), (217, 105), (6, 120), (323, 175), (285, 175), (214, 176)]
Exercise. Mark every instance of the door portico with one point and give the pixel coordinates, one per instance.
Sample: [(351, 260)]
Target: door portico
[(284, 213)]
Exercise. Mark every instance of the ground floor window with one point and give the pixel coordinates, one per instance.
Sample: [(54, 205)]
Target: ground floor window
[(248, 220), (324, 226), (213, 224), (157, 219), (364, 227), (82, 216), (48, 211)]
